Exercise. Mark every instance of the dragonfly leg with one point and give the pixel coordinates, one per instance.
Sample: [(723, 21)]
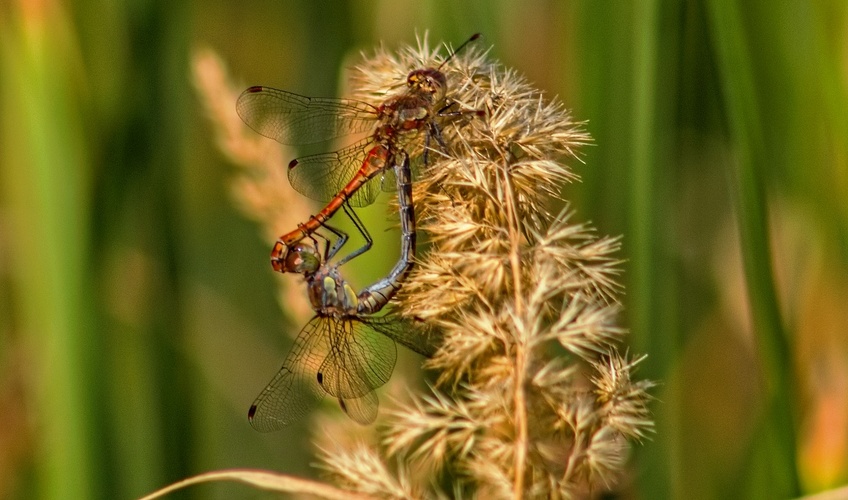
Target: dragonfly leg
[(341, 239), (444, 109), (364, 232), (436, 133), (433, 132), (446, 112)]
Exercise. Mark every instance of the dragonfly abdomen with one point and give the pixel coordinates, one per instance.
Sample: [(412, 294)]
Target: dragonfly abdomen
[(374, 297), (375, 162)]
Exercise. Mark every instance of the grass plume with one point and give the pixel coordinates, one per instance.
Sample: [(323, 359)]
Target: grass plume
[(533, 397)]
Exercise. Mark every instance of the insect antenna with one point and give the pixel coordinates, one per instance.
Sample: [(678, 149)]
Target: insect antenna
[(475, 36)]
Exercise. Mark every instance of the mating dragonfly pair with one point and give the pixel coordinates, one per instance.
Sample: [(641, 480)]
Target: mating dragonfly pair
[(345, 350)]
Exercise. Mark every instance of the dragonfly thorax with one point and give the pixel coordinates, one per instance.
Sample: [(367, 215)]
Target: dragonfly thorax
[(331, 295), (407, 112), (415, 107)]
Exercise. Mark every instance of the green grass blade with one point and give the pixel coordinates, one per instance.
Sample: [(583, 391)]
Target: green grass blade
[(45, 186), (777, 476)]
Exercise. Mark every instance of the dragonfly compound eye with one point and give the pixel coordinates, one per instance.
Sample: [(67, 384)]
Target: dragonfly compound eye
[(302, 259), (413, 78), (428, 81)]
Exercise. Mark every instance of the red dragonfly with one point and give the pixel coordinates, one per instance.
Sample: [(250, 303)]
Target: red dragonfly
[(342, 177), (345, 350)]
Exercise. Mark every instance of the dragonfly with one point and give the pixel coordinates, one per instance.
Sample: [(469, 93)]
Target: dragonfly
[(345, 350), (341, 178)]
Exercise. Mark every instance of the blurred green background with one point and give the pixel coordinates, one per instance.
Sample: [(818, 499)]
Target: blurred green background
[(137, 304)]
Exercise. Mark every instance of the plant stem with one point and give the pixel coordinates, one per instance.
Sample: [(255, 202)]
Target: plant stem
[(521, 347)]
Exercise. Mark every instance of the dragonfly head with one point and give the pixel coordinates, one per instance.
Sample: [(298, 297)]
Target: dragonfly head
[(302, 259), (429, 81)]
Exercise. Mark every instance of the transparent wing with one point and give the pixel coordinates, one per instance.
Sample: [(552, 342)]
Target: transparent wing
[(388, 178), (294, 390), (295, 119), (418, 339), (323, 176), (361, 410), (360, 360)]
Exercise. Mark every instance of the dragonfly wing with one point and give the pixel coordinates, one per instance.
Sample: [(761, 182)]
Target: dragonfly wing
[(388, 181), (322, 176), (361, 410), (290, 118), (294, 389), (424, 342), (360, 360)]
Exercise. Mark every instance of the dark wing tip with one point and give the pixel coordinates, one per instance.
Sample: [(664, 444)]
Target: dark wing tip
[(250, 90), (251, 413), (242, 102), (292, 164), (475, 36)]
